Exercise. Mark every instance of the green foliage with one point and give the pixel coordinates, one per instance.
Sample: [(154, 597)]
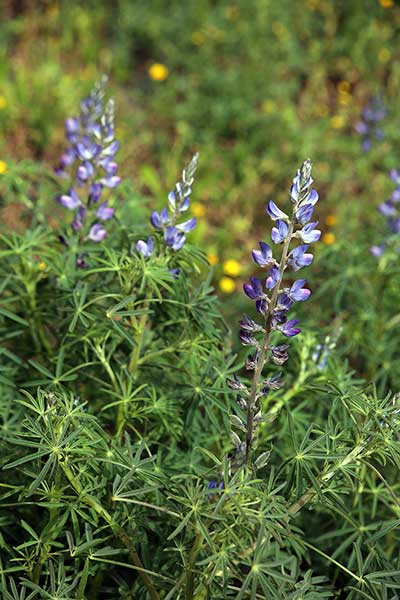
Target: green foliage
[(114, 411), (115, 416)]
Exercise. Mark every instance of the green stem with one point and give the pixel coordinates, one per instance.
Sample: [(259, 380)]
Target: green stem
[(139, 341), (118, 531), (38, 333)]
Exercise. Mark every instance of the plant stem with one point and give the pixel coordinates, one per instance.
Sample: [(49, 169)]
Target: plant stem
[(261, 359), (118, 531), (139, 341)]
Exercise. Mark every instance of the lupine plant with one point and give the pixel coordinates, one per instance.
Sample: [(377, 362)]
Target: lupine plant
[(115, 419), (368, 126), (390, 209), (88, 165), (273, 301)]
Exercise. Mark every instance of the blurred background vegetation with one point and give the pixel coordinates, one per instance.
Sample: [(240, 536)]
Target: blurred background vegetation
[(256, 86)]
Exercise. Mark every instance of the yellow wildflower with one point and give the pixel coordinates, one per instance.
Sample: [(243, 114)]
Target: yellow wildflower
[(329, 238), (227, 285), (198, 209), (53, 10), (268, 106), (158, 72), (383, 55), (331, 220), (42, 266), (198, 38), (3, 167), (343, 87), (232, 267), (213, 259), (344, 98), (386, 3), (337, 122), (232, 12), (279, 29), (3, 102)]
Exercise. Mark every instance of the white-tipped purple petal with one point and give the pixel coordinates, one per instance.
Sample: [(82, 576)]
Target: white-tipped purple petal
[(145, 248), (111, 182), (187, 225), (70, 201), (97, 233), (274, 212), (308, 234), (105, 212)]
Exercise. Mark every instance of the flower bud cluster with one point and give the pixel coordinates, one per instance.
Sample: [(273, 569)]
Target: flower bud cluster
[(168, 220)]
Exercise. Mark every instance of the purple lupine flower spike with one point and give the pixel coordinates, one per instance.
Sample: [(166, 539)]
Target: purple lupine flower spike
[(167, 220), (91, 160), (367, 127), (273, 302), (390, 209)]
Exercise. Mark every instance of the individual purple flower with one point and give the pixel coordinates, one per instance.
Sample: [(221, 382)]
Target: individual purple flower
[(254, 290), (264, 256), (79, 219), (275, 213), (279, 354), (174, 239), (247, 339), (95, 192), (70, 201), (304, 213), (280, 233), (248, 324), (273, 277), (145, 248), (97, 233), (289, 328), (378, 250), (187, 226), (299, 258), (105, 212), (297, 292), (387, 209), (308, 234)]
